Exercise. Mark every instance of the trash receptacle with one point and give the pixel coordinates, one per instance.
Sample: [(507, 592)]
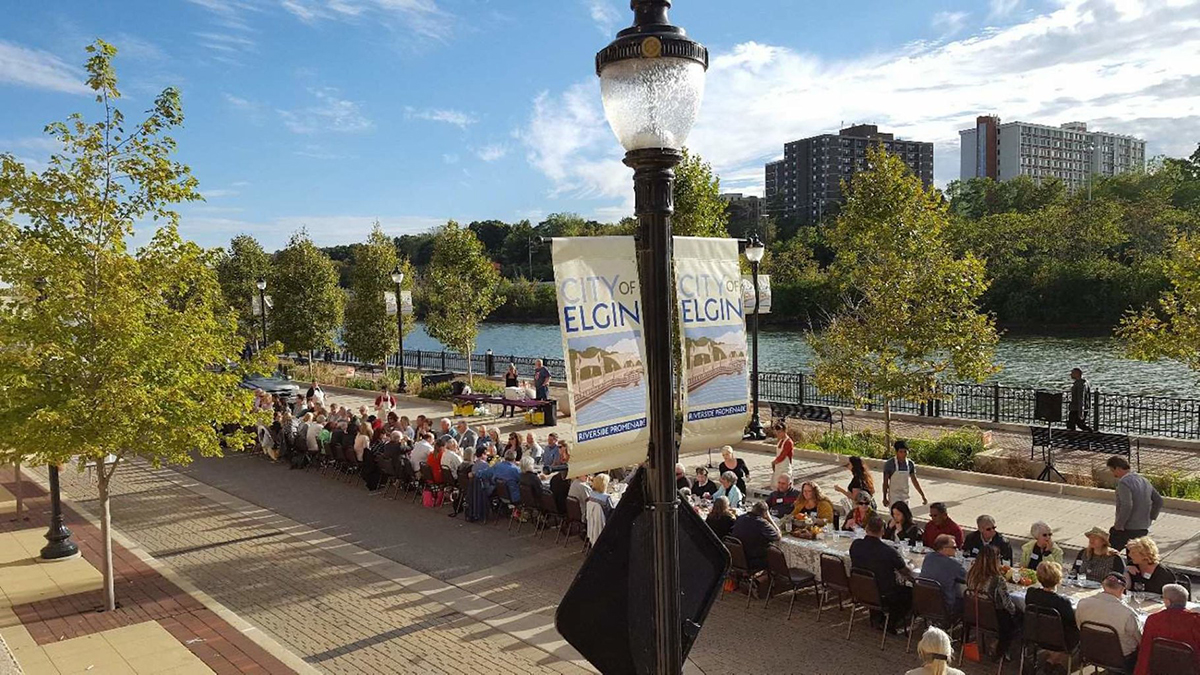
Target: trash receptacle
[(551, 411)]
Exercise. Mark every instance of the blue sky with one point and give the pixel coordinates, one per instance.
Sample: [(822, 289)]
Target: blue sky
[(330, 114)]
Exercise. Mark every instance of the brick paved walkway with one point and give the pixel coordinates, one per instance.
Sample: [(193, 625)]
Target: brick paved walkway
[(143, 596)]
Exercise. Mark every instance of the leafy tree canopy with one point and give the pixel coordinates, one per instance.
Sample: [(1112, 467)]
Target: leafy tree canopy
[(238, 271), (308, 301), (370, 330), (463, 288)]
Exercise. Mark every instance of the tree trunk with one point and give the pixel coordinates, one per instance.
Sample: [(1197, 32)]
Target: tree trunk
[(470, 366), (887, 425), (310, 365), (102, 484), (20, 491)]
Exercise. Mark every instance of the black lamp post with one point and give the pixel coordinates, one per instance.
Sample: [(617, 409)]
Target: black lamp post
[(262, 306), (651, 81), (754, 253), (58, 537), (398, 278)]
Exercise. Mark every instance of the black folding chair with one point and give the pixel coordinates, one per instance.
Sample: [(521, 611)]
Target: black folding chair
[(929, 607), (739, 566), (980, 614), (786, 578), (1169, 657), (1044, 630), (573, 520), (502, 498), (833, 580), (1100, 647), (529, 509), (864, 594)]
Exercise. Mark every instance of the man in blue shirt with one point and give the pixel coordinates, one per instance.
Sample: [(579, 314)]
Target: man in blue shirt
[(940, 566), (552, 456), (507, 471), (541, 381)]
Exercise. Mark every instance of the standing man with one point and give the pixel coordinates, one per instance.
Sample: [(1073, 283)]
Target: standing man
[(316, 394), (1081, 394), (541, 382), (904, 470), (1138, 504)]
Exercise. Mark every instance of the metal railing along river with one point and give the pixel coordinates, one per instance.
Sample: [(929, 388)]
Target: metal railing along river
[(1132, 414)]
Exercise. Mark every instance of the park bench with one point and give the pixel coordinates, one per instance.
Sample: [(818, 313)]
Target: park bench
[(548, 407), (1048, 438), (814, 413), (428, 379)]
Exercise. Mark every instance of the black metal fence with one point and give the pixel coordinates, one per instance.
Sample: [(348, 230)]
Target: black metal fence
[(1131, 414)]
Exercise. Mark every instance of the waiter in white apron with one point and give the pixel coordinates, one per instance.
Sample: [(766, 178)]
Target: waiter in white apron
[(897, 472)]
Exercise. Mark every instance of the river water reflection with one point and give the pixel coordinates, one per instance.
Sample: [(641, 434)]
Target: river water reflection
[(1028, 361)]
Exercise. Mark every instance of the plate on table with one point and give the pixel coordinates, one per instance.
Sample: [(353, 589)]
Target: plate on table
[(1088, 584)]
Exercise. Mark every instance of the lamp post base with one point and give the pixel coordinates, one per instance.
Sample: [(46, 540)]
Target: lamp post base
[(60, 546), (754, 430)]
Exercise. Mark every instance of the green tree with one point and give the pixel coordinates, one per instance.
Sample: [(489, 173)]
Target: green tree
[(463, 287), (699, 209), (238, 271), (910, 313), (1172, 329), (108, 355), (308, 301), (517, 252), (370, 331)]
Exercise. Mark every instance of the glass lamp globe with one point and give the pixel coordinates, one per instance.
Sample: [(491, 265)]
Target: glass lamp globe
[(652, 102), (755, 250), (397, 276), (262, 284)]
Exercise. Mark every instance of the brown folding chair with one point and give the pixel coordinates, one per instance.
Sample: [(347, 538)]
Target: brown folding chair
[(864, 593), (1044, 630), (427, 482), (1100, 647), (833, 580), (529, 508), (739, 566), (549, 509), (1170, 657), (388, 470), (929, 606), (980, 614), (503, 499), (786, 578), (574, 518)]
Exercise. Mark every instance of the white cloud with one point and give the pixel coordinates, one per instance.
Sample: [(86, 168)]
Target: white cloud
[(1089, 60), (218, 193), (605, 14), (229, 45), (491, 152), (422, 17), (1003, 7), (39, 69), (450, 158), (949, 23), (314, 151), (328, 113), (460, 119), (136, 48)]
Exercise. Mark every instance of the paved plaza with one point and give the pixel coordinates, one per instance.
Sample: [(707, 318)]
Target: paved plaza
[(345, 582)]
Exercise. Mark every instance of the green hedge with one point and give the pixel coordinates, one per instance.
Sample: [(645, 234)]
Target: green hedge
[(1176, 484), (442, 391), (955, 450)]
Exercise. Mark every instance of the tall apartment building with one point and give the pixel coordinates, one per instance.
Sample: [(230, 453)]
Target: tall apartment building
[(1069, 152), (806, 183)]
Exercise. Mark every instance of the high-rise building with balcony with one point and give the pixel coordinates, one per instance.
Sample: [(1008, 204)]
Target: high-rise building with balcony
[(806, 183), (1068, 152)]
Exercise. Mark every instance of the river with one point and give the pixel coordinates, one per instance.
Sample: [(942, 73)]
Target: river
[(1027, 360)]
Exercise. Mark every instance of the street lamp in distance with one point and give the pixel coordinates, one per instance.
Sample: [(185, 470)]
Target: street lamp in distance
[(651, 84), (262, 306), (398, 278), (754, 253)]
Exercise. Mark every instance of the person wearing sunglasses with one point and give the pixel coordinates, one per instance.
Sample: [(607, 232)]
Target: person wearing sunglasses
[(986, 534)]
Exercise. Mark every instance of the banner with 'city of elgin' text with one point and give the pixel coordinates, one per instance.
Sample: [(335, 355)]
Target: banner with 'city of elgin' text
[(716, 394), (600, 314)]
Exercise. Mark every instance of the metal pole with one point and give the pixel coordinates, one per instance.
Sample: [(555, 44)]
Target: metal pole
[(653, 180), (400, 337), (755, 430), (58, 536), (262, 310)]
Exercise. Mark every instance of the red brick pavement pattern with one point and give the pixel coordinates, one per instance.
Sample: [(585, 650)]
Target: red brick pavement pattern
[(142, 595)]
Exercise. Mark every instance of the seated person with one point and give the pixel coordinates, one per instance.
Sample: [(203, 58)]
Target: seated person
[(940, 566), (1109, 609), (729, 489), (1050, 574), (1098, 560), (600, 494), (862, 511), (1175, 622), (783, 498), (940, 522), (1145, 573), (531, 479), (984, 578), (812, 503), (871, 554), (986, 534), (507, 471), (936, 652), (902, 528), (703, 487), (681, 480), (1041, 547), (720, 520), (757, 532)]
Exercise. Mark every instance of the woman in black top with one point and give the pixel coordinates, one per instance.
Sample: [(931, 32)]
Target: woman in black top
[(737, 466), (860, 481), (902, 527), (721, 518), (511, 378), (703, 487), (1145, 573)]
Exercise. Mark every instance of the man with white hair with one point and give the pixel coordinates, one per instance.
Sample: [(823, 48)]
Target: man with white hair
[(1175, 622), (445, 430), (421, 450), (1109, 609), (451, 458)]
